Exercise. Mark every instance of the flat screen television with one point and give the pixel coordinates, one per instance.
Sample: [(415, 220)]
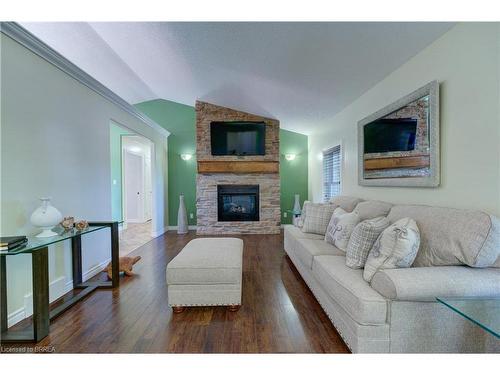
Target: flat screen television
[(238, 138), (386, 135)]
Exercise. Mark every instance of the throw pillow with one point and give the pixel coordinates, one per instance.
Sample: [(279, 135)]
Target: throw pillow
[(362, 239), (396, 247), (345, 226), (345, 202), (317, 217), (372, 209), (332, 225)]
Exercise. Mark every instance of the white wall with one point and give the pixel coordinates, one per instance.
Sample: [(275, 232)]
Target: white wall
[(466, 62), (55, 142)]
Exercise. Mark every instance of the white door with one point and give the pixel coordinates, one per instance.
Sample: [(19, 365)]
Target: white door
[(134, 187)]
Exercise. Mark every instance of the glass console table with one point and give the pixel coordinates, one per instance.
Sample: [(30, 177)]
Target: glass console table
[(38, 249), (485, 312)]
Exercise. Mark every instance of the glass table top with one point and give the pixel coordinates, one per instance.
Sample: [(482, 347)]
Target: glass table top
[(36, 243), (485, 312)]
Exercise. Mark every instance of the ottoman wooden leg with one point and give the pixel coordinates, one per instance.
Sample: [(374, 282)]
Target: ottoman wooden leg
[(233, 308), (178, 309)]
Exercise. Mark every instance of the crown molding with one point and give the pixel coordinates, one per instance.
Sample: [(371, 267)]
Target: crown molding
[(35, 45)]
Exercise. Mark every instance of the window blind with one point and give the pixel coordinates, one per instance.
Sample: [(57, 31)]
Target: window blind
[(331, 173)]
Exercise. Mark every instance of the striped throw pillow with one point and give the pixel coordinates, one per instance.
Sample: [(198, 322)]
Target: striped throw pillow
[(317, 218), (362, 239)]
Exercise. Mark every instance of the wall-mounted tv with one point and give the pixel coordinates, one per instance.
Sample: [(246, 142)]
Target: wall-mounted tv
[(238, 138), (386, 135)]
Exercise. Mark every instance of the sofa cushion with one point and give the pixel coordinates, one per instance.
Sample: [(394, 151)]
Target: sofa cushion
[(372, 209), (317, 217), (451, 236), (345, 202), (347, 287), (207, 261), (307, 249), (295, 232), (396, 247), (292, 235), (362, 239), (427, 283)]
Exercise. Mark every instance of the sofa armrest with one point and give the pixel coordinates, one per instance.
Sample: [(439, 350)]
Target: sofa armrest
[(427, 283)]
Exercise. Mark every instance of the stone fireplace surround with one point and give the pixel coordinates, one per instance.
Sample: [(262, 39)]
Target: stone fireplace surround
[(206, 183)]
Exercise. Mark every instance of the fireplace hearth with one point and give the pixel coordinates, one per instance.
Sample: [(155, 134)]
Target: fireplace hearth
[(238, 202)]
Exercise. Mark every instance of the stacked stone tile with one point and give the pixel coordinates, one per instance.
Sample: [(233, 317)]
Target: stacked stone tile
[(206, 183)]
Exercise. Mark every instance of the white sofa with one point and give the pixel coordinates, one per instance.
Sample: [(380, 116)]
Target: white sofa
[(397, 312)]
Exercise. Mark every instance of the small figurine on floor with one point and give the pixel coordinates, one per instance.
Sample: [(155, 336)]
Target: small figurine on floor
[(125, 266)]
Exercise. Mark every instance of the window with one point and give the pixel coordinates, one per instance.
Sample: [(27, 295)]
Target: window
[(332, 162)]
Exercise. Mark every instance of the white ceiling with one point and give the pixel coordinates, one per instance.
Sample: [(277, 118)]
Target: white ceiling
[(300, 73)]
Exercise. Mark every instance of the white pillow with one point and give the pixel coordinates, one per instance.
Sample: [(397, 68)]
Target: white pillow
[(330, 230), (317, 218), (396, 247), (345, 226)]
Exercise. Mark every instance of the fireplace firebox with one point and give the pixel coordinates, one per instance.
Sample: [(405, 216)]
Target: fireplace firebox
[(238, 202)]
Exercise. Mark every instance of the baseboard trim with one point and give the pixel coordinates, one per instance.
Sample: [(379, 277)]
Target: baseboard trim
[(91, 272), (159, 232), (16, 316), (190, 227), (57, 288)]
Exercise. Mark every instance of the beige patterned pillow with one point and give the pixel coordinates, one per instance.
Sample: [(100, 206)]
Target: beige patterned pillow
[(396, 247), (317, 218), (343, 231), (362, 239), (332, 225)]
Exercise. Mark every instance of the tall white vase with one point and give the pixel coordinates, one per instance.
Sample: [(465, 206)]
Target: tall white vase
[(182, 222), (46, 217), (296, 210), (296, 206)]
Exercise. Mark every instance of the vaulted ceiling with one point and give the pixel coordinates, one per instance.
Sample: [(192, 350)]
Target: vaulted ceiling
[(300, 73)]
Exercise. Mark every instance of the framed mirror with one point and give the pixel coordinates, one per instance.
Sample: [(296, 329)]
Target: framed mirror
[(399, 145)]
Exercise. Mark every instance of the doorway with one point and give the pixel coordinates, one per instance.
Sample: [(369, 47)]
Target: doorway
[(137, 192), (131, 186)]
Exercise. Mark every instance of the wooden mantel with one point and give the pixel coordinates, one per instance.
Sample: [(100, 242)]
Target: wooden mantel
[(419, 161), (219, 166)]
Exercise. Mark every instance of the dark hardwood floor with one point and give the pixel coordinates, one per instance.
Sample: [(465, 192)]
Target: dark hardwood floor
[(278, 315)]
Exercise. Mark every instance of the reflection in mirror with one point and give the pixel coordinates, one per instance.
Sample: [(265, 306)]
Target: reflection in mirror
[(397, 145)]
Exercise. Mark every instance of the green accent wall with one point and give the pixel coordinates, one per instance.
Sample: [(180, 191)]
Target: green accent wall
[(179, 120), (293, 173), (115, 143)]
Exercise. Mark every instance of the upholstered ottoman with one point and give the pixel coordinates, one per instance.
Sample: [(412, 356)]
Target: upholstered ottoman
[(207, 272)]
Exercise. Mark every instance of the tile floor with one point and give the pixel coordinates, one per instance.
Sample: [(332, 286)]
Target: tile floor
[(134, 236)]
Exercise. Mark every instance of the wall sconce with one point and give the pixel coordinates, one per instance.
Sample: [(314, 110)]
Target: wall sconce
[(290, 157), (186, 157)]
